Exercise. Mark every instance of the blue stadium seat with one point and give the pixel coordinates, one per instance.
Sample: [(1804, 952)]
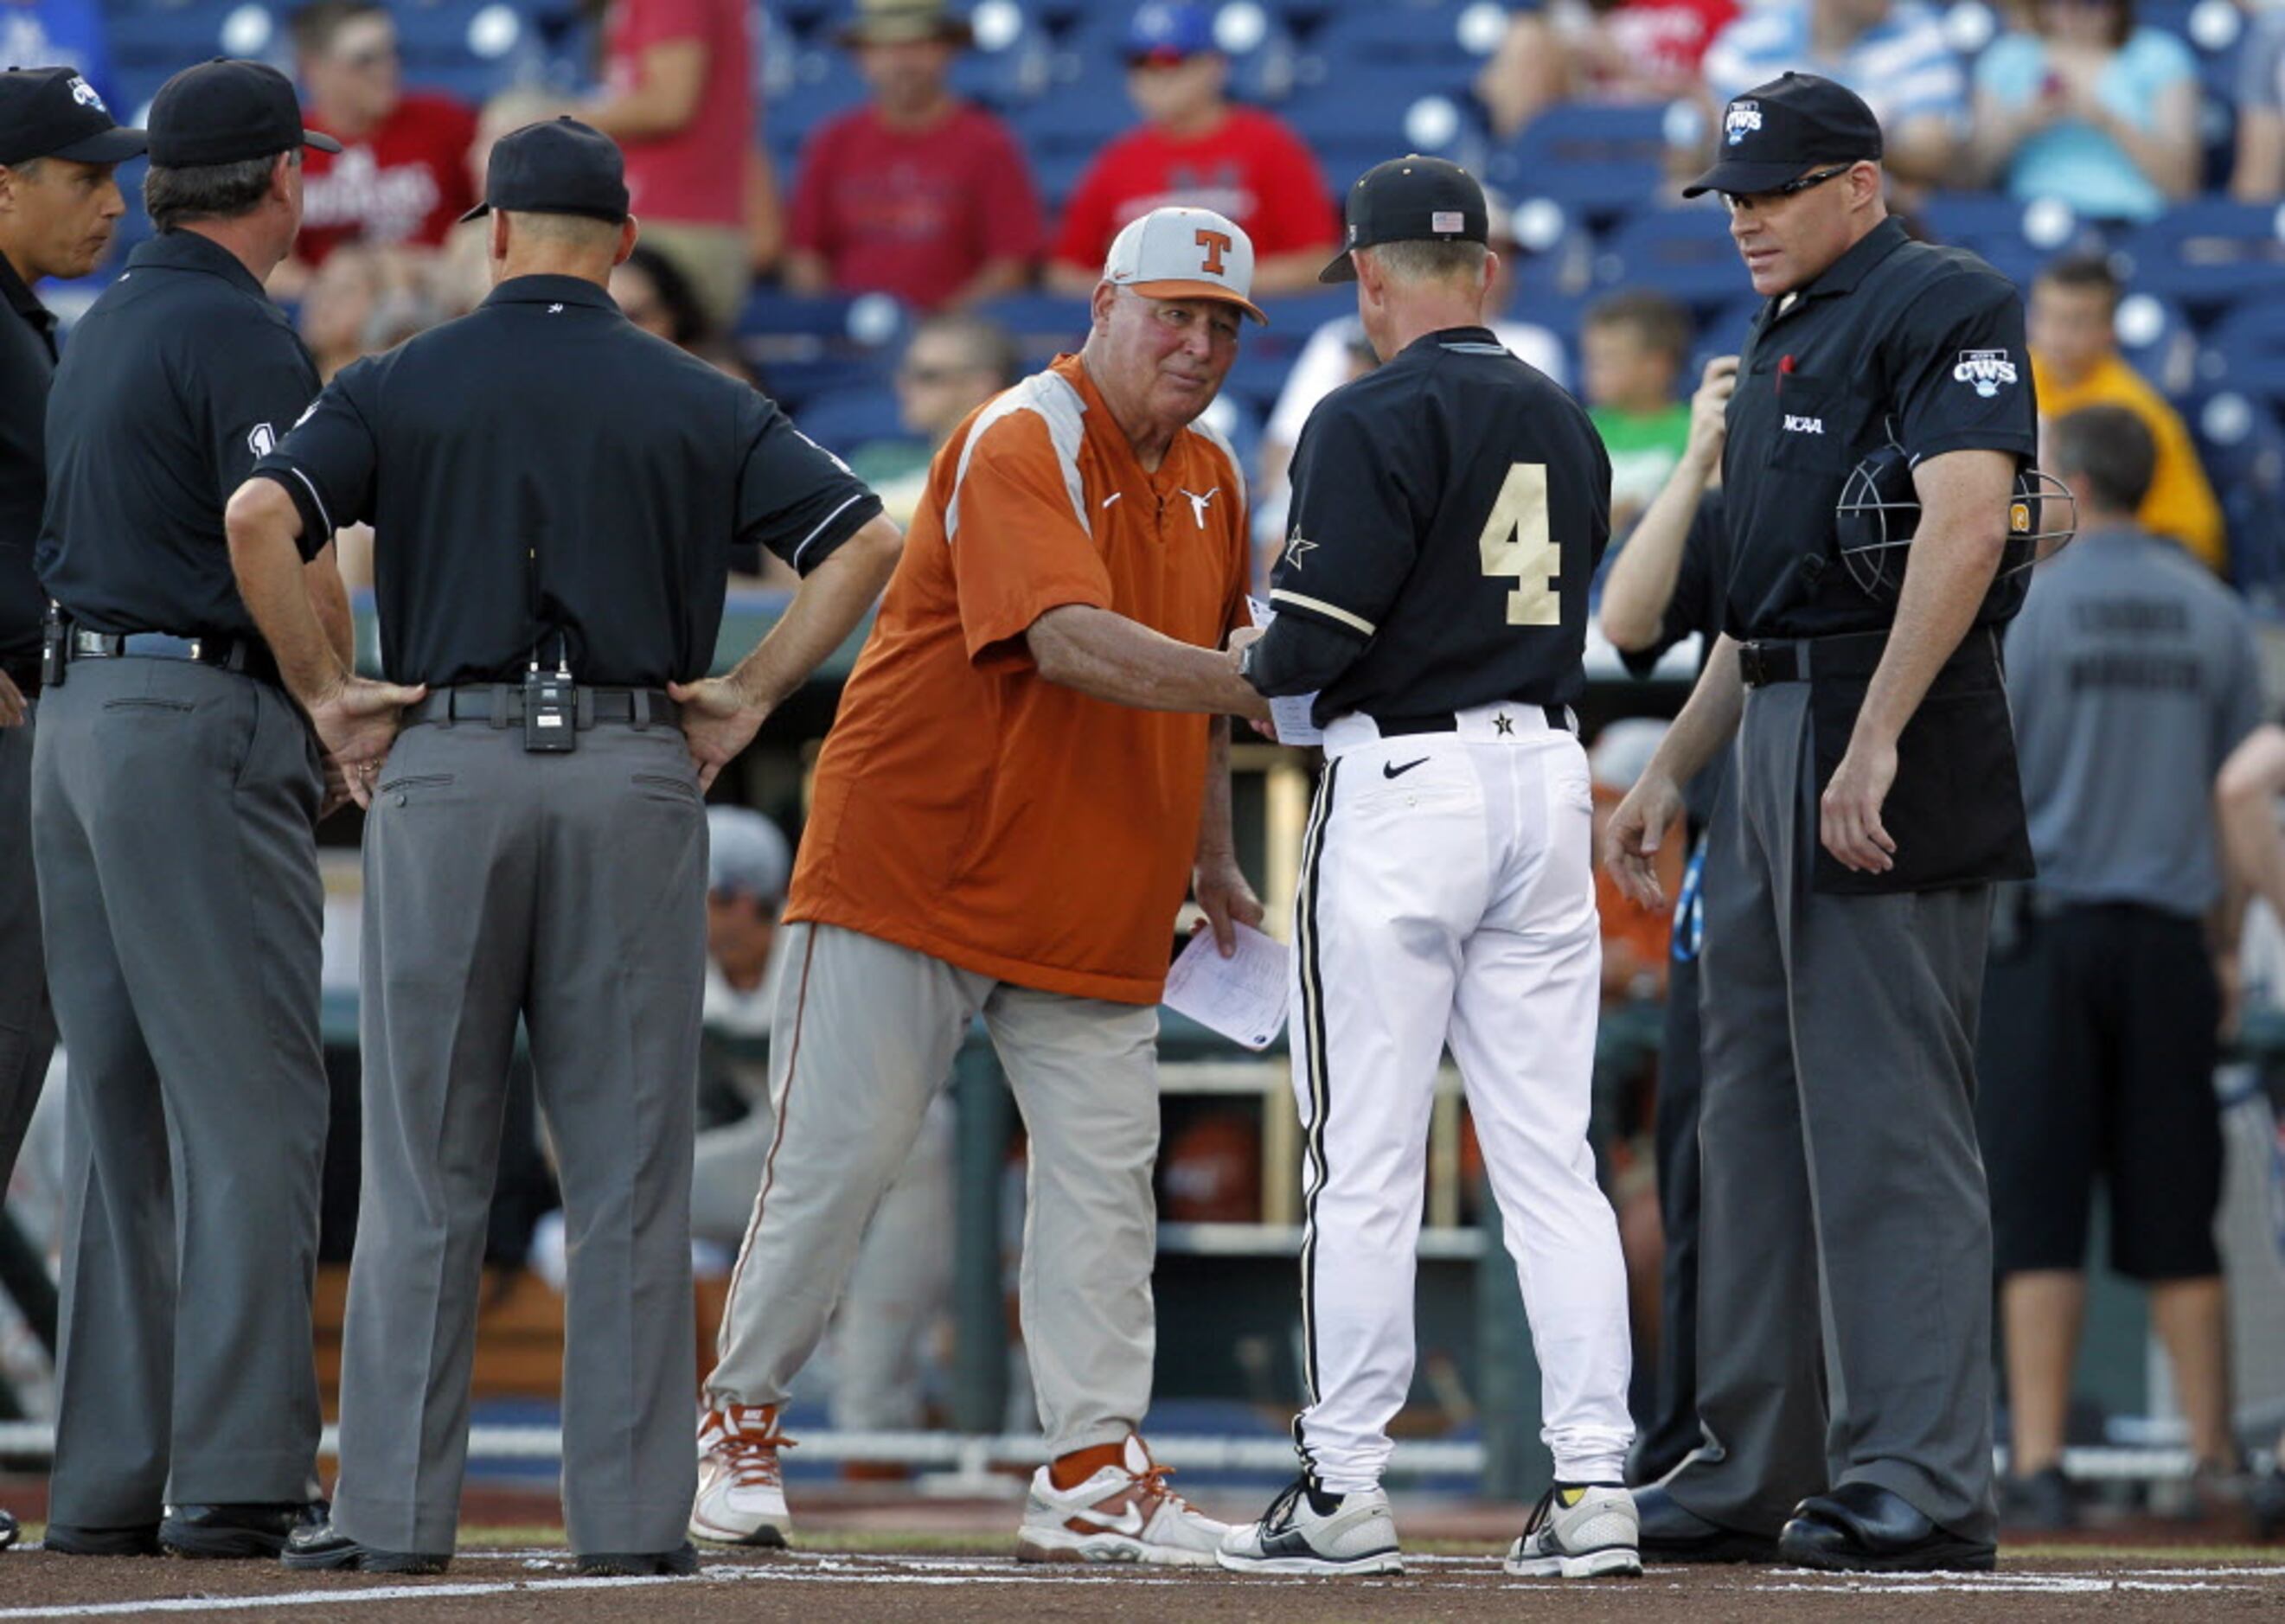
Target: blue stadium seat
[(842, 419), (2210, 253), (1420, 31), (1685, 253), (2242, 446), (2014, 237), (1040, 318), (1595, 161), (2246, 352)]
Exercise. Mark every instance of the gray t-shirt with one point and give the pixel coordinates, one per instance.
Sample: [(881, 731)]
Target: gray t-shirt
[(2131, 674)]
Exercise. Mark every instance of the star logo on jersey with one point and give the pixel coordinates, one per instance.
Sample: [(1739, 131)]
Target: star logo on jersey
[(1504, 723), (1199, 503), (1296, 546)]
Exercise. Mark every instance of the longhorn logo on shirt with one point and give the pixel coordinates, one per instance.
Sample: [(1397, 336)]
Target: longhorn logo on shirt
[(1986, 369), (1745, 117), (83, 93), (1199, 503), (1216, 244)]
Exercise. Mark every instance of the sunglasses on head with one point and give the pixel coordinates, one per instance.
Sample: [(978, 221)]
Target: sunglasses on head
[(1791, 188)]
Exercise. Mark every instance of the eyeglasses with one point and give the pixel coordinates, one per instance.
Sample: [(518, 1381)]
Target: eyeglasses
[(1791, 188)]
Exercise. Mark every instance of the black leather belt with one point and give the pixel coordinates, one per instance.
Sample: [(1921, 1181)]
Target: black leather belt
[(248, 656), (499, 705), (1558, 720), (1853, 656)]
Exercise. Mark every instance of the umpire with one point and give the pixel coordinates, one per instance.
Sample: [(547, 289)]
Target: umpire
[(555, 495), (1845, 1232), (58, 206), (175, 797)]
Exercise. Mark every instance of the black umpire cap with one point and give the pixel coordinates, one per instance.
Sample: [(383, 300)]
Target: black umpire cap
[(227, 111), (55, 112), (562, 167), (1411, 199), (1777, 132)]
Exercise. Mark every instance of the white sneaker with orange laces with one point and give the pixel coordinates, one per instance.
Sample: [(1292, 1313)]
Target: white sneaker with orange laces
[(1123, 1513), (740, 1489)]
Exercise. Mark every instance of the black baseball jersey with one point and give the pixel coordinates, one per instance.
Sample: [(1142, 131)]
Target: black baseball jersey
[(1449, 508), (1898, 341), (543, 467), (175, 381), (27, 362)]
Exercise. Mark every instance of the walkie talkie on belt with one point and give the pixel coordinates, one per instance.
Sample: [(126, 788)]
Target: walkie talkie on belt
[(52, 635), (551, 707)]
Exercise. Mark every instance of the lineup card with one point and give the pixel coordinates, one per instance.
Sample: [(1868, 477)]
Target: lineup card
[(1242, 997), (1289, 715)]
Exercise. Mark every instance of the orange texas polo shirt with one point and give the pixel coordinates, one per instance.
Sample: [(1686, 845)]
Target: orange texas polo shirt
[(968, 808)]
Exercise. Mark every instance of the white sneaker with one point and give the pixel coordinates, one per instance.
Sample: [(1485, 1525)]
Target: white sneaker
[(1590, 1533), (1123, 1513), (1308, 1530), (740, 1490)]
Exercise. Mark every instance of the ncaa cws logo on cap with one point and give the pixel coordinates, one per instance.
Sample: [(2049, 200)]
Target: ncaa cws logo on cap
[(1185, 253), (1744, 118)]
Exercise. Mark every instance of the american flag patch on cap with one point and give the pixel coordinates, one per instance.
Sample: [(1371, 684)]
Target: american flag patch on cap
[(1447, 220)]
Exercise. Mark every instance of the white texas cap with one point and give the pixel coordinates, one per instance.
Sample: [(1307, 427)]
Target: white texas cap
[(1185, 253)]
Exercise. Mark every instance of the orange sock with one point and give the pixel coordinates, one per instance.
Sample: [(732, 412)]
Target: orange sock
[(1069, 1470)]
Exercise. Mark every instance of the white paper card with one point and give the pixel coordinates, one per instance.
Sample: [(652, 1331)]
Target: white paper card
[(1289, 715), (1242, 997)]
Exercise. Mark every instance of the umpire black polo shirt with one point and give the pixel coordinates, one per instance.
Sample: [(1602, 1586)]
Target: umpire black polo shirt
[(541, 466), (1897, 340), (181, 376), (27, 362)]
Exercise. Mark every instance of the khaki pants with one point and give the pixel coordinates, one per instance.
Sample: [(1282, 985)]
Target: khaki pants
[(863, 1034), (715, 260)]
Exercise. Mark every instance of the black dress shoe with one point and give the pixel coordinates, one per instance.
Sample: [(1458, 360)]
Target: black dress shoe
[(1863, 1528), (317, 1549), (1671, 1532), (137, 1540), (639, 1564), (235, 1531)]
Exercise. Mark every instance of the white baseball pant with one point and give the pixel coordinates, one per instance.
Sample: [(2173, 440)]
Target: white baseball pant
[(1448, 898)]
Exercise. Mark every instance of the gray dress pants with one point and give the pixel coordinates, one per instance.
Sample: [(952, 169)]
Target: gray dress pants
[(174, 810), (569, 890), (27, 1027), (1845, 1287)]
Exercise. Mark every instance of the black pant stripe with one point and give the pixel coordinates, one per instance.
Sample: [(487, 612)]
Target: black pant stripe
[(1312, 1016)]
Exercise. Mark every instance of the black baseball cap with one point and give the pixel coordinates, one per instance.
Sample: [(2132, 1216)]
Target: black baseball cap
[(1411, 200), (55, 112), (1777, 133), (561, 167), (227, 111)]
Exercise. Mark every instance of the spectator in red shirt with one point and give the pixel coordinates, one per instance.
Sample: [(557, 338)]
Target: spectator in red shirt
[(1606, 51), (1195, 147), (401, 178), (679, 98), (919, 193)]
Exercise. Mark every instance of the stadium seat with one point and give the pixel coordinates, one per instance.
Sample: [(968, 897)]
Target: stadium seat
[(2014, 237), (1596, 161), (2209, 253), (1685, 253), (1415, 31), (843, 419)]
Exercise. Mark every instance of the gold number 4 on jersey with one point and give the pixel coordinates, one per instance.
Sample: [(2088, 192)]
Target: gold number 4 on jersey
[(1516, 544)]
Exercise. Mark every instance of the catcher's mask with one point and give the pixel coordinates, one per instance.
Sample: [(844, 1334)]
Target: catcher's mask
[(1880, 510)]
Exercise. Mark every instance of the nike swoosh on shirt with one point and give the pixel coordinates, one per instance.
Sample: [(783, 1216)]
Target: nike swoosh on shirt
[(1391, 769)]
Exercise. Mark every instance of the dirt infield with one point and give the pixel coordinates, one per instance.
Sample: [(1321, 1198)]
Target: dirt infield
[(820, 1586)]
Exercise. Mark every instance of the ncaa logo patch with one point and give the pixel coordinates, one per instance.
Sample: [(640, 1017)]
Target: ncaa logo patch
[(1987, 369), (83, 93), (1744, 118)]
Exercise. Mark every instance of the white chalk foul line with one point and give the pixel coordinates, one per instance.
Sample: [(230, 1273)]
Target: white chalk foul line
[(938, 1572)]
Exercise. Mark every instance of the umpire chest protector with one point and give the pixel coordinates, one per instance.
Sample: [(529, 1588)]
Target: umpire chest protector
[(1904, 351)]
